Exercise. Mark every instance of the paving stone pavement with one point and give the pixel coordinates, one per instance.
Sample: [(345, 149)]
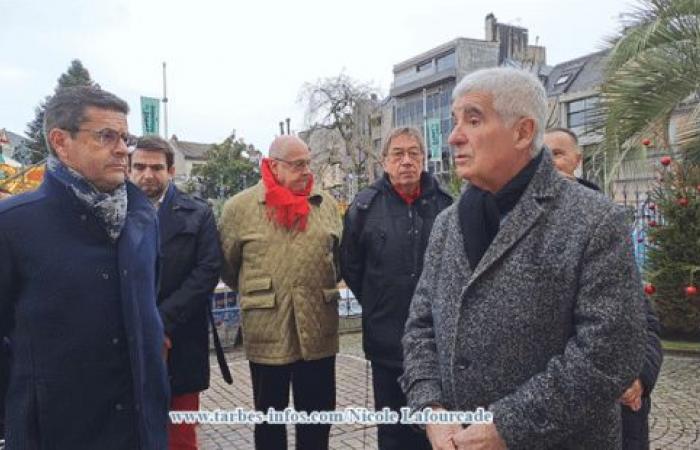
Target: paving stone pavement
[(674, 422)]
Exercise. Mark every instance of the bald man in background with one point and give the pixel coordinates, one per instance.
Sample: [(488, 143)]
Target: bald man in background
[(281, 248), (566, 154)]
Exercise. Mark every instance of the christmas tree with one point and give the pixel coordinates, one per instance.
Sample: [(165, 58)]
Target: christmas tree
[(673, 247)]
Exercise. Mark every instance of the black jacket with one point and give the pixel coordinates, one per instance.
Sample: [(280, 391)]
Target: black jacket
[(191, 261), (384, 240), (635, 425)]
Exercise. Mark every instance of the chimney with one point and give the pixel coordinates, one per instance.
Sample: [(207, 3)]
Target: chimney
[(490, 27)]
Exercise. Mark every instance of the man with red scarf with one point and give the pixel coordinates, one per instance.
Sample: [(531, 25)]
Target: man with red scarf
[(280, 240)]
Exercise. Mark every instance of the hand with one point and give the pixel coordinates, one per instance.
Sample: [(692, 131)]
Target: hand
[(440, 435), (480, 436), (632, 397), (167, 345)]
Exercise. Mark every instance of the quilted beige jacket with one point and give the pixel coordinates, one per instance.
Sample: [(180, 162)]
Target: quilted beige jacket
[(286, 280)]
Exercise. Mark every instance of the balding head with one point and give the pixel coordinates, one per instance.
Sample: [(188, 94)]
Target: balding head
[(282, 145), (565, 151), (290, 161)]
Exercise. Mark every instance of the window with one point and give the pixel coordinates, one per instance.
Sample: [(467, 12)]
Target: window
[(562, 79), (424, 66), (446, 61), (583, 114)]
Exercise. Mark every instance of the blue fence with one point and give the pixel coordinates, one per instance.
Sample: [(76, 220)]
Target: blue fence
[(227, 312)]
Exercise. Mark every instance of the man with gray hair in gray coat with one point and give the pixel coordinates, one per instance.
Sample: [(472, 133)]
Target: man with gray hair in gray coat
[(530, 304)]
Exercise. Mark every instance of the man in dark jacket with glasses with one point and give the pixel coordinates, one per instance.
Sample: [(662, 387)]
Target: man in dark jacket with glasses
[(385, 235)]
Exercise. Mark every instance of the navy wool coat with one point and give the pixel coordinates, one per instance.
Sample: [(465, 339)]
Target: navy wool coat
[(79, 314)]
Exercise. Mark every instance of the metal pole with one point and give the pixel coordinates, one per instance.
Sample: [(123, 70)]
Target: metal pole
[(165, 104)]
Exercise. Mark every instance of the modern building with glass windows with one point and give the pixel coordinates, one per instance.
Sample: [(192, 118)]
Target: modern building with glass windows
[(421, 93)]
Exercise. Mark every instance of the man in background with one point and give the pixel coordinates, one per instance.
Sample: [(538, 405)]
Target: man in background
[(191, 261)]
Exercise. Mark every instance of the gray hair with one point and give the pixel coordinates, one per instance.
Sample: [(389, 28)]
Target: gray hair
[(408, 131), (516, 94), (66, 109)]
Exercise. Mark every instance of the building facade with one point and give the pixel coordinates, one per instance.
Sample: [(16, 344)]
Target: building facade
[(421, 93)]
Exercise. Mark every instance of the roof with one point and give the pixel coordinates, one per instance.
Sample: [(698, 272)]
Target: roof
[(191, 150), (14, 138), (580, 74), (440, 49)]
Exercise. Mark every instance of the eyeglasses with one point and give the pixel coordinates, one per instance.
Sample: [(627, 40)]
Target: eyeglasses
[(110, 138), (399, 155), (297, 165)]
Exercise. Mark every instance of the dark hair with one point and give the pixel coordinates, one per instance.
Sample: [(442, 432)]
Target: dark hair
[(401, 131), (563, 130), (155, 143), (66, 109)]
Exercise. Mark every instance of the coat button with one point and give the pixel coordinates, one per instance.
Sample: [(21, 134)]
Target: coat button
[(119, 407), (83, 217), (105, 276), (115, 341), (125, 272)]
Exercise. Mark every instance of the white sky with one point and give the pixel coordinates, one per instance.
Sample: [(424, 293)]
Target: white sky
[(240, 64)]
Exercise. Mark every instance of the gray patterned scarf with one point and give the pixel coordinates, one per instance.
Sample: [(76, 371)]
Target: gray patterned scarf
[(109, 208)]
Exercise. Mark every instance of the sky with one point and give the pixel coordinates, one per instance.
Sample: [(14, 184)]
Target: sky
[(241, 64)]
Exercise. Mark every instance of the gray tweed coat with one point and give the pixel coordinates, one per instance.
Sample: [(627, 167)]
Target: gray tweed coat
[(546, 332)]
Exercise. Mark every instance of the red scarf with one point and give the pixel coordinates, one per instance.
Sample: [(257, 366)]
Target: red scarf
[(409, 198), (286, 208)]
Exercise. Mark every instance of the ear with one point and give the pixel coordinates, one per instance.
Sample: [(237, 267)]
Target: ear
[(524, 133), (171, 171), (60, 141), (273, 167)]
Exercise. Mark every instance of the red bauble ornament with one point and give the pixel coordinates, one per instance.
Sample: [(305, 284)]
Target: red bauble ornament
[(646, 142), (652, 206), (652, 223), (691, 290), (683, 202), (649, 289), (665, 160)]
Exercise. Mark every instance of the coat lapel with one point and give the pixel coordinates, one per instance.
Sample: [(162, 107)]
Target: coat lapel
[(544, 185), (169, 223), (139, 217)]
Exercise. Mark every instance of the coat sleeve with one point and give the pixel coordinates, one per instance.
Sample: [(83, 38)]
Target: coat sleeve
[(601, 358), (352, 253), (421, 378), (230, 244), (653, 357), (179, 306), (6, 306)]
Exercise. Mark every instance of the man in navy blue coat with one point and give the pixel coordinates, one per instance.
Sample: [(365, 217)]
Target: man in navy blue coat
[(191, 260), (78, 292)]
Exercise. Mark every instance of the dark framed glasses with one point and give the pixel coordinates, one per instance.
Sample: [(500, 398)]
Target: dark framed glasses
[(109, 137)]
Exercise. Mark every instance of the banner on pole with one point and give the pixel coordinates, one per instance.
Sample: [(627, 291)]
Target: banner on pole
[(150, 115), (434, 140)]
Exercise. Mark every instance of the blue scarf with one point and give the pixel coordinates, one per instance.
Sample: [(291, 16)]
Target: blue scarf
[(480, 212), (108, 208)]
